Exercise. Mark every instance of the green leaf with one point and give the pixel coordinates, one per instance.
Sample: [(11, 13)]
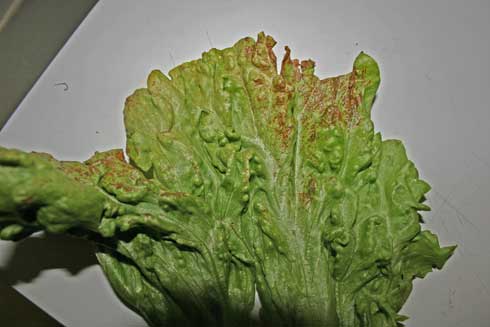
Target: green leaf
[(242, 178)]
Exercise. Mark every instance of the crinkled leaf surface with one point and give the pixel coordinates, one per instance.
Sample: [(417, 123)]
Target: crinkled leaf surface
[(242, 178)]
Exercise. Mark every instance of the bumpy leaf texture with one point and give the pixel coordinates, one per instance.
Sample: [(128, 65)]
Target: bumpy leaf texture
[(241, 178)]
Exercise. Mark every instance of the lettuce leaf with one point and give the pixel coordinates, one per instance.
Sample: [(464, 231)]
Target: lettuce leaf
[(242, 179)]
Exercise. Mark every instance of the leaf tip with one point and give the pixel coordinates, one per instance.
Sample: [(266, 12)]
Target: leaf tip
[(367, 70)]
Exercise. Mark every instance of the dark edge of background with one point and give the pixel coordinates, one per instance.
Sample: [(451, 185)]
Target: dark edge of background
[(29, 41)]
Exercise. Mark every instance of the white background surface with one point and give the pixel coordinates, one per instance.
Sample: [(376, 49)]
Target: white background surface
[(434, 59)]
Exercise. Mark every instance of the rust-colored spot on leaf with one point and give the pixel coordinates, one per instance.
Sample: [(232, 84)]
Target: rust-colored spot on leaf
[(249, 51), (282, 128), (172, 194), (282, 99), (270, 43), (312, 186), (336, 114), (305, 198), (120, 155), (306, 65), (258, 81)]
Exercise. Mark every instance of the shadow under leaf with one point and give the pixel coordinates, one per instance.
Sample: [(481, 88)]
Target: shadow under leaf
[(34, 255)]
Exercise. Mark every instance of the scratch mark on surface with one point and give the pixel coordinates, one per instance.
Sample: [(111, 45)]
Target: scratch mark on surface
[(460, 249), (485, 287), (444, 226), (480, 159), (452, 293), (12, 9), (460, 215), (209, 39), (436, 211), (64, 84), (172, 59), (457, 183)]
